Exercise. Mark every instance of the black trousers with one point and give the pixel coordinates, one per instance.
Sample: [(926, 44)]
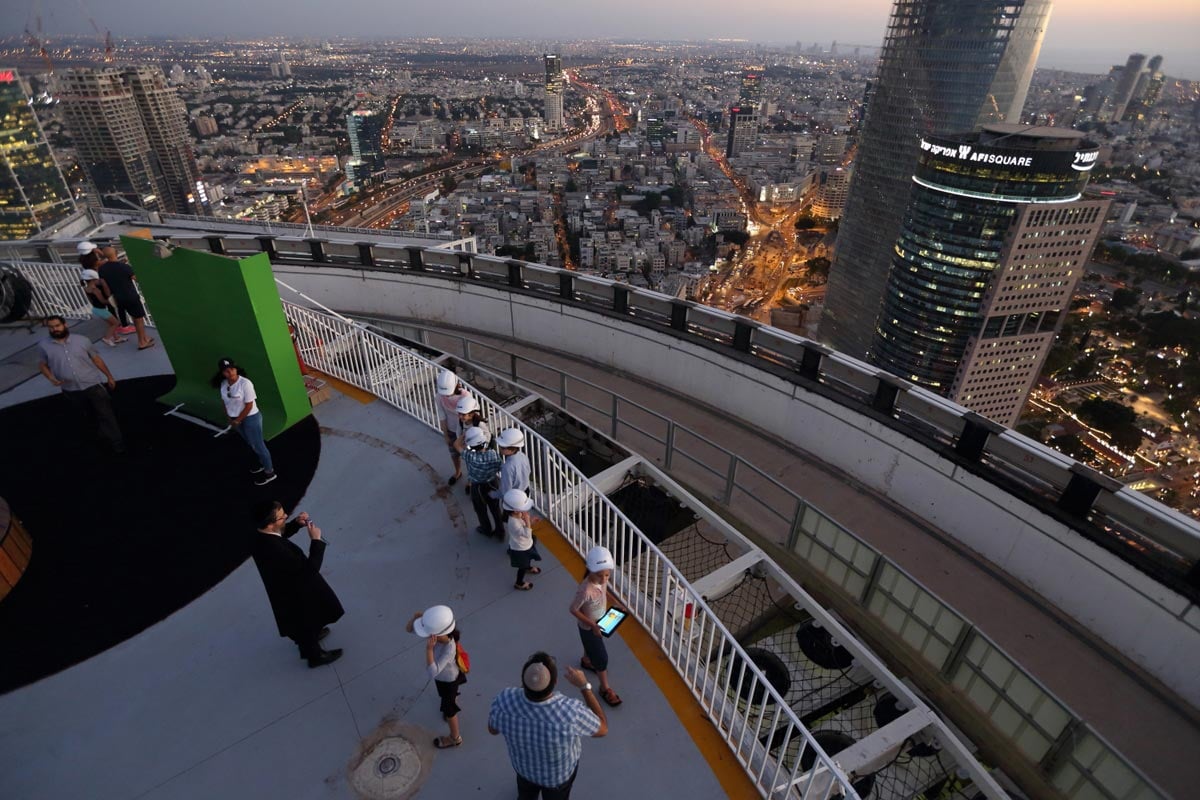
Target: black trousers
[(95, 403), (308, 643), (527, 790), (484, 503)]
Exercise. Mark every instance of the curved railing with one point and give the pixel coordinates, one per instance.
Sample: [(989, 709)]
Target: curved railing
[(706, 655)]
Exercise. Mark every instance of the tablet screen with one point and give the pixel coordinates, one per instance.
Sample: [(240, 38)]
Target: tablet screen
[(609, 622)]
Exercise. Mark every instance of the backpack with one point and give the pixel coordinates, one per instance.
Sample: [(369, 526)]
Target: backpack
[(462, 660)]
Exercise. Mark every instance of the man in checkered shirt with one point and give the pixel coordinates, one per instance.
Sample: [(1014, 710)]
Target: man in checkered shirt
[(543, 728)]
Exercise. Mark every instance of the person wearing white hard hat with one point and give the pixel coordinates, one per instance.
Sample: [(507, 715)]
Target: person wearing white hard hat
[(99, 296), (449, 391), (437, 625), (514, 472), (483, 470), (588, 607), (522, 544), (470, 415)]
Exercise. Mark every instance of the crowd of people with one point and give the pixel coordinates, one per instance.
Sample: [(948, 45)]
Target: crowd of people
[(542, 728)]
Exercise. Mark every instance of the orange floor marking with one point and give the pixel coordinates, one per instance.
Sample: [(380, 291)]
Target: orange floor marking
[(729, 773)]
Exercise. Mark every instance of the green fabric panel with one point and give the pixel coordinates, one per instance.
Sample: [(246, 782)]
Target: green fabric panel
[(206, 307)]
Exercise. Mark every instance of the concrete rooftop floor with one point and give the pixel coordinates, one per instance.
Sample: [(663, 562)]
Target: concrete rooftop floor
[(211, 702)]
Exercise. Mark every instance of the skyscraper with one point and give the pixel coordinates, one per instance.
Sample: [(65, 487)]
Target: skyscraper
[(364, 128), (555, 84), (111, 142), (995, 238), (751, 90), (131, 132), (33, 194), (946, 66), (1127, 84), (165, 118), (743, 130)]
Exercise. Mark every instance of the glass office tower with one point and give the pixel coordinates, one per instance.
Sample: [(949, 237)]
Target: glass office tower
[(33, 194), (996, 230), (947, 66)]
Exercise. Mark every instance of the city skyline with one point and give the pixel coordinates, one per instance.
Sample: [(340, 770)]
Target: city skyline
[(1110, 33)]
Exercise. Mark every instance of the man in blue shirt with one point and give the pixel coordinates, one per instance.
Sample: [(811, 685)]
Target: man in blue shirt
[(72, 364), (543, 729)]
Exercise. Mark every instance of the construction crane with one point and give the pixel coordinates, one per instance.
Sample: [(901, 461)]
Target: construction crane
[(107, 35), (35, 40)]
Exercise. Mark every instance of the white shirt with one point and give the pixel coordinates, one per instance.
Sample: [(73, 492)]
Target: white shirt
[(237, 396), (520, 535)]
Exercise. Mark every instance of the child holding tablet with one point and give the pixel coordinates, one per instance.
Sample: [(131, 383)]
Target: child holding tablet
[(588, 608)]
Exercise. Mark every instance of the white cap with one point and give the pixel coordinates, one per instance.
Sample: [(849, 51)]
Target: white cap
[(598, 558), (447, 382), (436, 621), (516, 500), (83, 248), (511, 437), (88, 275), (466, 404), (474, 437)]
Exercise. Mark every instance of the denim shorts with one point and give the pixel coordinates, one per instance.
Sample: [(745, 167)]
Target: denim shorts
[(593, 647)]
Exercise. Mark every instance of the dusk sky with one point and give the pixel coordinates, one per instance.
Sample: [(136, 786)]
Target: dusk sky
[(1087, 35)]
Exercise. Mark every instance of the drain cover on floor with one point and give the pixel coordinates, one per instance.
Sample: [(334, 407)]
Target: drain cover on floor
[(389, 770)]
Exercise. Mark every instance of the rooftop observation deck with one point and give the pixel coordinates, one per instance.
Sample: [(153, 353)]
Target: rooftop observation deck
[(1050, 615), (211, 702)]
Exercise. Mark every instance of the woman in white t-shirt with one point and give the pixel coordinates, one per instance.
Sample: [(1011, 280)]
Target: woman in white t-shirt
[(241, 406)]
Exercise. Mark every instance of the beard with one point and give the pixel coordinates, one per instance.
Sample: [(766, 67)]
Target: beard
[(64, 333)]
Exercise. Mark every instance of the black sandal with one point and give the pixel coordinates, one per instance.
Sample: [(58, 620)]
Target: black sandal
[(445, 742), (524, 587)]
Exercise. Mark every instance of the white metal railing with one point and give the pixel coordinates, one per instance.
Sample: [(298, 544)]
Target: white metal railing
[(721, 676), (57, 289)]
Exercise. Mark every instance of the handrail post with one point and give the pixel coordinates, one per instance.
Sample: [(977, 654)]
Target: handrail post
[(1085, 486), (366, 255), (566, 285), (416, 260), (466, 265), (887, 392), (743, 334), (679, 315), (267, 243), (515, 277), (810, 361), (216, 244), (973, 439), (620, 300), (317, 248), (730, 478), (670, 445), (615, 411)]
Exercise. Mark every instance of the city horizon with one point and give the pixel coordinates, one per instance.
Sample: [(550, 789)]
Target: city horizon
[(1160, 27)]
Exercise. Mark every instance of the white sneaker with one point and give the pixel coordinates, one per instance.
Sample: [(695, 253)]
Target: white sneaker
[(109, 342), (265, 479)]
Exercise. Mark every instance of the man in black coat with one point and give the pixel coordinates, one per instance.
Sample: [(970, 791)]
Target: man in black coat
[(301, 599)]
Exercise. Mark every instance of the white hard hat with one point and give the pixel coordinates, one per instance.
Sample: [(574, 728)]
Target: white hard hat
[(447, 382), (88, 275), (474, 437), (516, 500), (436, 621), (83, 248), (598, 558), (467, 404), (511, 437)]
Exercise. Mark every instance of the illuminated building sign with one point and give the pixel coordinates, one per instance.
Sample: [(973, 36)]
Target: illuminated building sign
[(7, 76), (1060, 161)]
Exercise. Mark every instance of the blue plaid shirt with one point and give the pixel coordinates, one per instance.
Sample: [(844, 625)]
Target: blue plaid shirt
[(543, 738), (482, 465)]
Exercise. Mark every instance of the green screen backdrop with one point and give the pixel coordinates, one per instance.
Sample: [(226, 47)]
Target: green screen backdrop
[(206, 307)]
